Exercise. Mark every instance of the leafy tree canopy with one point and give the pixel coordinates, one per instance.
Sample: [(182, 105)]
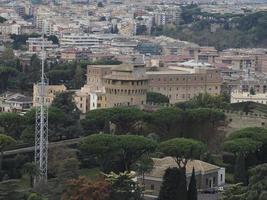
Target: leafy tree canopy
[(241, 145), (154, 97), (182, 149)]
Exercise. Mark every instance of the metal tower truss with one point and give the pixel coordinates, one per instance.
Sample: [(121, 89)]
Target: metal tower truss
[(41, 143), (41, 128)]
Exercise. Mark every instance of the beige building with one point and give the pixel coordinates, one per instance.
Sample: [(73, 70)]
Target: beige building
[(50, 93), (207, 175), (206, 54), (127, 85), (243, 63), (238, 97), (183, 83), (112, 85)]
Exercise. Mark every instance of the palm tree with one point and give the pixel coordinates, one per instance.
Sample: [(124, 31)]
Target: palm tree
[(31, 170), (5, 141)]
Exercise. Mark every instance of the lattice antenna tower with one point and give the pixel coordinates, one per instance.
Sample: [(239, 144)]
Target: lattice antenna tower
[(41, 126)]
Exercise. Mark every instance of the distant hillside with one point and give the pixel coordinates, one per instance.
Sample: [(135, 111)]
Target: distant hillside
[(219, 30)]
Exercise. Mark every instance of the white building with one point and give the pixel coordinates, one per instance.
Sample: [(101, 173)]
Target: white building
[(35, 44), (15, 102), (80, 41), (238, 97)]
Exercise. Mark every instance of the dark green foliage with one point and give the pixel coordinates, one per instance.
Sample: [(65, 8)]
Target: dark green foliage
[(31, 170), (96, 121), (165, 122), (241, 146), (124, 150), (234, 192), (133, 147), (101, 146), (5, 74), (206, 101), (249, 147), (192, 188), (11, 124), (2, 19), (125, 119), (256, 189), (233, 29), (252, 91), (53, 38), (64, 101), (154, 97), (257, 186), (173, 186), (100, 4), (123, 187), (63, 120), (10, 189), (182, 150), (141, 30)]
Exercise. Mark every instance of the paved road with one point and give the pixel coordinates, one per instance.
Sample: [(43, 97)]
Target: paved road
[(52, 144)]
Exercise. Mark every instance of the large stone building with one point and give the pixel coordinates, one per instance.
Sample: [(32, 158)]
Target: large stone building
[(183, 83), (207, 175), (112, 85), (127, 85)]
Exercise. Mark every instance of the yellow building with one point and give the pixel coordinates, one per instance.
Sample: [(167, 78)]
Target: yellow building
[(50, 93), (127, 85)]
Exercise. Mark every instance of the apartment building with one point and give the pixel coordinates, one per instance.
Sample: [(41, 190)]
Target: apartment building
[(50, 93), (258, 55), (206, 54), (70, 54), (35, 44), (244, 63), (183, 83), (15, 102), (79, 41)]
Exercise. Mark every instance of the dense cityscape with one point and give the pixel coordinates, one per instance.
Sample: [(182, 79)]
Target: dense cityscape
[(133, 100)]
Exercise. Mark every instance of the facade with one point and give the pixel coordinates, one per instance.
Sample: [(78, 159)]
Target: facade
[(207, 175), (238, 97), (183, 83), (79, 41), (127, 85), (15, 102), (50, 93), (246, 64), (74, 54), (206, 55), (35, 44)]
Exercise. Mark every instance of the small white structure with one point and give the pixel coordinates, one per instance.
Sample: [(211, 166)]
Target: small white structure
[(238, 97)]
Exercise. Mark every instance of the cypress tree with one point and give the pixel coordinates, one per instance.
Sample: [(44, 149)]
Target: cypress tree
[(173, 186), (192, 188)]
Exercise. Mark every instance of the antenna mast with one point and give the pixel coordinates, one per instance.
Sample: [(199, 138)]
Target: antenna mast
[(41, 126)]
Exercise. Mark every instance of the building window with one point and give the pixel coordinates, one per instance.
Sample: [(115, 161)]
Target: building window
[(152, 187), (207, 182), (221, 177), (214, 180)]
